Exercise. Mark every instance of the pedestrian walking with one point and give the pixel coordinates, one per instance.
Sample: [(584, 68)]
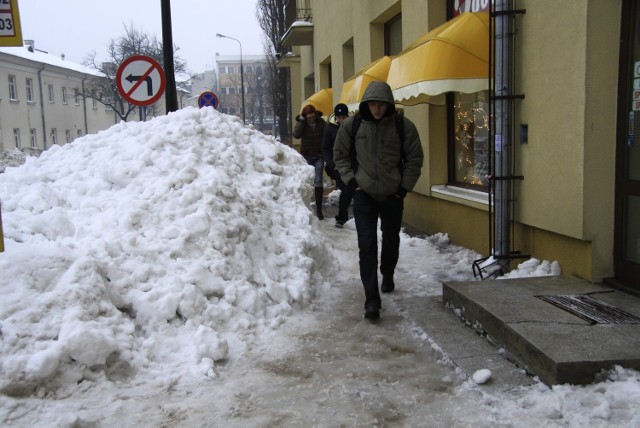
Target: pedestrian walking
[(379, 155), (309, 129), (340, 113)]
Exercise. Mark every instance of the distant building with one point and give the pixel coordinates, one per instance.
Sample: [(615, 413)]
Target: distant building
[(42, 101), (226, 82)]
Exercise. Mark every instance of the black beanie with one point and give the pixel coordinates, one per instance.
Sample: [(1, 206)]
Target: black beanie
[(341, 110)]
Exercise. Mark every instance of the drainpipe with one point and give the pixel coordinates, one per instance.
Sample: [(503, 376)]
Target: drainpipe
[(44, 126), (84, 106), (503, 119)]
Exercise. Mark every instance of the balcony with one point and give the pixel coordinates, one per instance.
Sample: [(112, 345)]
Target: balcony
[(299, 20)]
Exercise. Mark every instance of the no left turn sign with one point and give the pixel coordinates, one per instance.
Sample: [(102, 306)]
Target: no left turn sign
[(140, 80)]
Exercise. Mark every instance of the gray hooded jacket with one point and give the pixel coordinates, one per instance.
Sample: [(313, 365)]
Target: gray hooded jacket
[(379, 149)]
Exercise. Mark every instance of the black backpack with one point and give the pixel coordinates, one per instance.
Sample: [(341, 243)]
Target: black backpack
[(355, 125)]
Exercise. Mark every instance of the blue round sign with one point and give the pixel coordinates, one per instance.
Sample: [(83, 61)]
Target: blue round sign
[(208, 99)]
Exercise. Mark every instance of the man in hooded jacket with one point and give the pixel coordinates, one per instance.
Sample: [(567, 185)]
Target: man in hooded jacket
[(381, 168)]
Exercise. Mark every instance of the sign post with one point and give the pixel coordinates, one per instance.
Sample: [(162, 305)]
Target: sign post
[(10, 32), (140, 80)]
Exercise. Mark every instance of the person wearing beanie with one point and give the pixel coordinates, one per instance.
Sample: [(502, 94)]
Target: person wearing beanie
[(309, 129), (340, 113), (383, 164)]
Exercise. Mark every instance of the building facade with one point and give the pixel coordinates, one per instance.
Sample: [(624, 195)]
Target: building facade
[(43, 102), (575, 194)]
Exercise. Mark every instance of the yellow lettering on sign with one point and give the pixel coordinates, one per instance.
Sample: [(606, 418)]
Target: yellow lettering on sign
[(10, 30)]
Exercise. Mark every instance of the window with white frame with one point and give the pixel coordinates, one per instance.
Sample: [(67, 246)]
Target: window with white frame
[(54, 136), (13, 90), (76, 95), (222, 70), (16, 137), (79, 133), (94, 100), (50, 90), (67, 136), (64, 95), (28, 84), (32, 138)]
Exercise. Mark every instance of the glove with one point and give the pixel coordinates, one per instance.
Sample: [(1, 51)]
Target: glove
[(299, 118), (401, 193), (353, 185)]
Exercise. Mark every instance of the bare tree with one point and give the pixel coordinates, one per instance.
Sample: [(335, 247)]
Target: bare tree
[(133, 42), (271, 18)]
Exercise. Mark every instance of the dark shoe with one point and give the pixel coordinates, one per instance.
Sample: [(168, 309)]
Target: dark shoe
[(340, 223), (372, 313), (387, 284)]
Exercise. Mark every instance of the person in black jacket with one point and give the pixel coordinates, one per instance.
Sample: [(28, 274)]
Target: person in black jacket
[(340, 113), (310, 128)]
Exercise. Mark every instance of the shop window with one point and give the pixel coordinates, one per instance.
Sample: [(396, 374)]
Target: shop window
[(469, 140)]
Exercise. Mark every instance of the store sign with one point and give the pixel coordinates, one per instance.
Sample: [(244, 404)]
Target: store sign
[(462, 6)]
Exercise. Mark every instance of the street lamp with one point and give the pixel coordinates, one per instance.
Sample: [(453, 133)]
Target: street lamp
[(241, 71)]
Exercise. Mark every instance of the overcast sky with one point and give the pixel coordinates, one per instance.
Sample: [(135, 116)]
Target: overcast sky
[(77, 27)]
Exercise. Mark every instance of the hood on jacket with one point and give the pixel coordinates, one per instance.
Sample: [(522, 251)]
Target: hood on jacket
[(377, 91)]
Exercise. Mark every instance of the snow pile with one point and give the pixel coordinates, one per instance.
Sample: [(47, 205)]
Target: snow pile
[(534, 267), (158, 247), (9, 158)]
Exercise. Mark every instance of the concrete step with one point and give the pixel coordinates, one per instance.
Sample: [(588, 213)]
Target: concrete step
[(549, 341)]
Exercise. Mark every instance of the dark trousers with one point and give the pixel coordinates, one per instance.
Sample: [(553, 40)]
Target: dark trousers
[(346, 196), (366, 211)]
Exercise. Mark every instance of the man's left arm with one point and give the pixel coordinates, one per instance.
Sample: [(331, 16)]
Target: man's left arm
[(413, 156)]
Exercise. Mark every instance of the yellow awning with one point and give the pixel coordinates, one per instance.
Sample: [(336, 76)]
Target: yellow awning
[(451, 57), (321, 100), (353, 88)]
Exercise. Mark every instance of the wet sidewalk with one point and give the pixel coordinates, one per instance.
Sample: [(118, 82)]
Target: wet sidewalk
[(561, 329)]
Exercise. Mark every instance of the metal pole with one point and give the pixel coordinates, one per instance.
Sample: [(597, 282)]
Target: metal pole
[(502, 139), (241, 72), (171, 96)]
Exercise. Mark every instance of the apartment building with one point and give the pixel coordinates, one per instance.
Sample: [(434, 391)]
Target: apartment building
[(574, 159), (43, 100)]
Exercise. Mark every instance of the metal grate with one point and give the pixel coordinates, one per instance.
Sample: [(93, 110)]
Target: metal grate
[(591, 310)]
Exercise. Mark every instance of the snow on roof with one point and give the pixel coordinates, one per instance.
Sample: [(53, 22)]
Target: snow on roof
[(46, 58), (302, 24)]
